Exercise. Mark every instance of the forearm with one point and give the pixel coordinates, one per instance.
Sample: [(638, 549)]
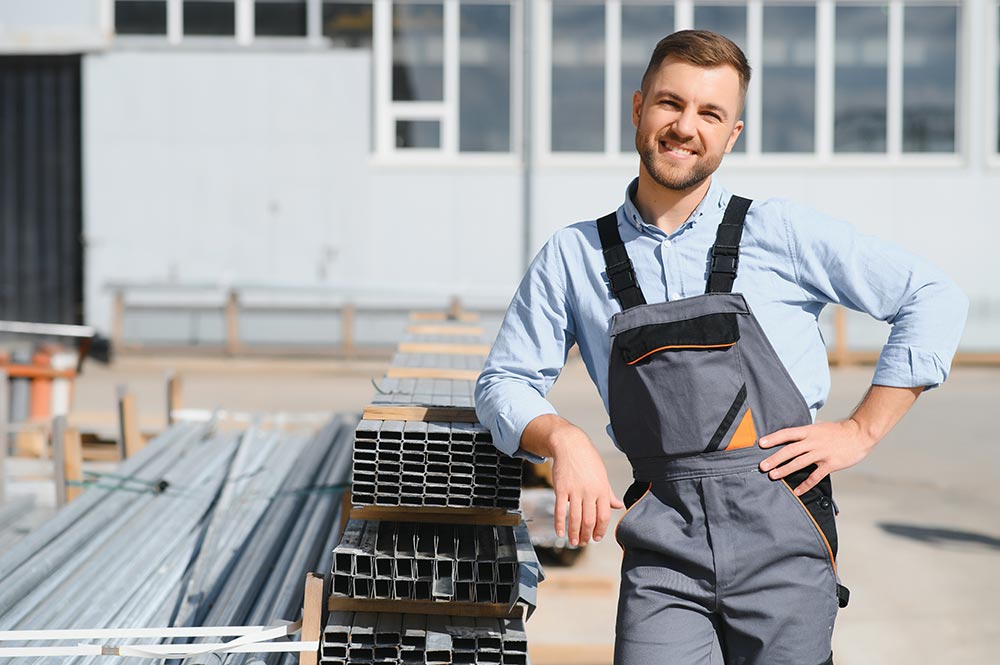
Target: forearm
[(880, 409)]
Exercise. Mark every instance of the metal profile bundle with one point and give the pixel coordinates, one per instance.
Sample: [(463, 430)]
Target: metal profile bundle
[(432, 392), (440, 562), (198, 528), (367, 637), (436, 338), (438, 361), (420, 464)]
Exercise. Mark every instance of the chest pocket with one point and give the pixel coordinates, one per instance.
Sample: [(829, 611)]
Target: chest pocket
[(677, 387)]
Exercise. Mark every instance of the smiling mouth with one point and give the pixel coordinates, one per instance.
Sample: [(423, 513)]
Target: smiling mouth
[(675, 149)]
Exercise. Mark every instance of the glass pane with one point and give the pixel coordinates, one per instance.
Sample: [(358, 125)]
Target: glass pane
[(141, 17), (861, 79), (642, 27), (731, 21), (348, 24), (728, 20), (930, 36), (484, 78), (280, 18), (418, 134), (577, 77), (210, 17), (789, 79), (417, 53)]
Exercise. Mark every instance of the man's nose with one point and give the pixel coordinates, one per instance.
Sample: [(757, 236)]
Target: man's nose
[(684, 127)]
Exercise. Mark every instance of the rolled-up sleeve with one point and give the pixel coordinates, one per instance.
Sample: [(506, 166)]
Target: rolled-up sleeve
[(925, 308), (528, 354)]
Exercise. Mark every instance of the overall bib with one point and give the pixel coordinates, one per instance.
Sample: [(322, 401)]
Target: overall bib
[(721, 564)]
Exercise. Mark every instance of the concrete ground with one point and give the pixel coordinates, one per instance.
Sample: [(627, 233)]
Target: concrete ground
[(919, 527)]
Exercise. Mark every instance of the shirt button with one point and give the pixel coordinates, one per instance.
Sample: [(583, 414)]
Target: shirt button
[(666, 243)]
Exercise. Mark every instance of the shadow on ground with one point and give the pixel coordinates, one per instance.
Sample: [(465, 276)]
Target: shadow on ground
[(940, 536)]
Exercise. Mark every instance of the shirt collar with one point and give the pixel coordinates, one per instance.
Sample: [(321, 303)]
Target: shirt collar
[(716, 199)]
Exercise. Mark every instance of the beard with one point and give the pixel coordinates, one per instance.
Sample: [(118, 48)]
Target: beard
[(672, 177)]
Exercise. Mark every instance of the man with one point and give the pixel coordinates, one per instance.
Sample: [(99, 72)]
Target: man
[(696, 314)]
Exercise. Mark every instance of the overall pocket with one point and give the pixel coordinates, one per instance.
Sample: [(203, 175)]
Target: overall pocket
[(676, 387)]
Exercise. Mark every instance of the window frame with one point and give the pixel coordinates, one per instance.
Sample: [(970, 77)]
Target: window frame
[(823, 155), (387, 111)]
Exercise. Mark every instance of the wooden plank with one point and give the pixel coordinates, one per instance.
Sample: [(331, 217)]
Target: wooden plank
[(435, 607), (496, 516), (444, 330), (100, 452), (174, 401), (430, 414), (59, 465), (312, 617), (31, 443), (445, 349), (345, 509), (73, 463), (432, 373), (130, 441), (839, 354)]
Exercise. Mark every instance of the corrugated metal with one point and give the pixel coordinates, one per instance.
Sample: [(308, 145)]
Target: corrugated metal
[(41, 252)]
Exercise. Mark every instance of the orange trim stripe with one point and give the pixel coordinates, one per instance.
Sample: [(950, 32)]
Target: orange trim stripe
[(829, 550), (620, 519), (745, 435), (682, 346)]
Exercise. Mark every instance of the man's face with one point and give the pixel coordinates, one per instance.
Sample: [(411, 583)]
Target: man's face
[(686, 121)]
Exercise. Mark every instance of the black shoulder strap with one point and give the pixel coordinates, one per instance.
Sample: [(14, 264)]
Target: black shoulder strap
[(621, 274), (726, 250)]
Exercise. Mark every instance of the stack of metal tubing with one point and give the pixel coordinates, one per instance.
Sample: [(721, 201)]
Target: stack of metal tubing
[(366, 637), (415, 463), (198, 528), (406, 468)]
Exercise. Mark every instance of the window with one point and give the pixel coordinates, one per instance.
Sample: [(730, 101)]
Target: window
[(577, 78), (861, 79), (929, 78), (348, 24), (280, 18), (141, 17), (788, 79), (210, 17), (444, 76), (642, 27), (484, 78)]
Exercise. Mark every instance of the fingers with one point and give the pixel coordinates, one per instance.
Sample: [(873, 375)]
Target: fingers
[(781, 456), (589, 521), (575, 519), (793, 465), (603, 518), (811, 480), (786, 435), (561, 500), (616, 503)]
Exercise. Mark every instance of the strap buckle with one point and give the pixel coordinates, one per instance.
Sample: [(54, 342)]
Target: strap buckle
[(725, 263), (621, 276)]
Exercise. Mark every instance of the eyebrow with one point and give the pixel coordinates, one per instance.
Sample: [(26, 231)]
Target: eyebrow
[(677, 98)]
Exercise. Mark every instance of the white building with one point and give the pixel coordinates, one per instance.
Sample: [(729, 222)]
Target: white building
[(405, 151)]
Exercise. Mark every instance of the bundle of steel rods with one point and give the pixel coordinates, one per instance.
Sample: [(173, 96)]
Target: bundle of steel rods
[(364, 637), (436, 392), (439, 361), (198, 528), (413, 463)]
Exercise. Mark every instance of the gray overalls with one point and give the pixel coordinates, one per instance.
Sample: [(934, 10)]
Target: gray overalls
[(721, 563)]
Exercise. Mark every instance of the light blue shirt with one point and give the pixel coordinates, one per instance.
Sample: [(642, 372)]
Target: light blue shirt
[(793, 262)]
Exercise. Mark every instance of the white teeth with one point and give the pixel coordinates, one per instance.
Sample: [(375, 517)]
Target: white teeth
[(677, 150)]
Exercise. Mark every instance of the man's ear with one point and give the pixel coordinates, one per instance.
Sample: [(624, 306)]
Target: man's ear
[(735, 134), (636, 108)]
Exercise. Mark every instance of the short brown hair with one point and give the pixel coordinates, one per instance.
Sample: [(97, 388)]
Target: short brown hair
[(701, 48)]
